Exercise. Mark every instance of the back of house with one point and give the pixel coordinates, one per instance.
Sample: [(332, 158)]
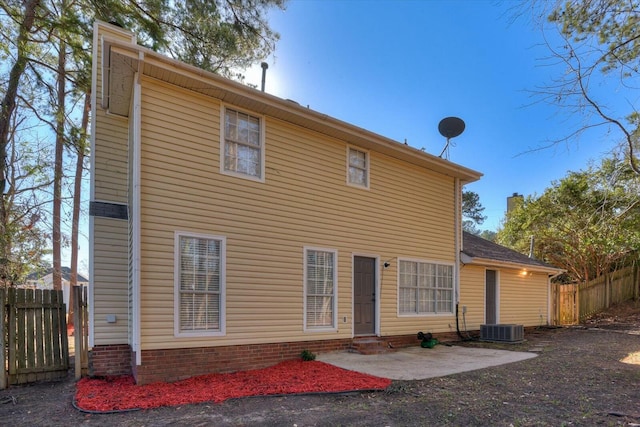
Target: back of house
[(231, 229)]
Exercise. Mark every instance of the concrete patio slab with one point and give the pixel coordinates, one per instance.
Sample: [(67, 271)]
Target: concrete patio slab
[(416, 363)]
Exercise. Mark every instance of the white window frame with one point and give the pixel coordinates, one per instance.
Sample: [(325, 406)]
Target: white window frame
[(452, 289), (334, 327), (223, 144), (176, 310), (367, 168)]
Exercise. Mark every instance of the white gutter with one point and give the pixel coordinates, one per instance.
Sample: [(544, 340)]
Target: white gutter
[(135, 210), (92, 186), (457, 234), (466, 259)]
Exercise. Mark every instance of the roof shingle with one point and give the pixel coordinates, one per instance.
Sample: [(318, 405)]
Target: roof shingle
[(477, 247)]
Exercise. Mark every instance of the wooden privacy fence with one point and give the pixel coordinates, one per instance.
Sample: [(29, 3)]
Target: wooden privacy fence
[(81, 333), (564, 301), (607, 290), (574, 303), (34, 336)]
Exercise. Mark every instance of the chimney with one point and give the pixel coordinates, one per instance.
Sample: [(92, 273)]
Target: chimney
[(512, 201)]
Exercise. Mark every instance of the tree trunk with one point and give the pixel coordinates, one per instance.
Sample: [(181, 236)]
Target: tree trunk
[(57, 173), (77, 190), (7, 108)]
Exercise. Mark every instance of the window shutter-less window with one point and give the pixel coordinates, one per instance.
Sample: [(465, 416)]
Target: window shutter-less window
[(200, 284)]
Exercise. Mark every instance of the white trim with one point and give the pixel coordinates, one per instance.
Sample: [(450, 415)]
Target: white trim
[(92, 182), (458, 244), (548, 300), (424, 261), (367, 167), (176, 285), (493, 264), (263, 143), (136, 139), (333, 328), (377, 290), (98, 42)]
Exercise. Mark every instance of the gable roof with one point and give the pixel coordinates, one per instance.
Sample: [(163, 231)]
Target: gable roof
[(123, 60), (479, 251), (66, 275)]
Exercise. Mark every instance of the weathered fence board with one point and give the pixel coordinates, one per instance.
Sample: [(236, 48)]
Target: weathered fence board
[(605, 291), (3, 340), (81, 334), (594, 296), (37, 335), (565, 304)]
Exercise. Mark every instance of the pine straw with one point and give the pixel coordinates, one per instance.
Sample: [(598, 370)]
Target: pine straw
[(289, 377)]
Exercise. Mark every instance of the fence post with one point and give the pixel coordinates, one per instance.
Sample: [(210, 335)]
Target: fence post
[(3, 347), (80, 317), (636, 281), (78, 332), (576, 304)]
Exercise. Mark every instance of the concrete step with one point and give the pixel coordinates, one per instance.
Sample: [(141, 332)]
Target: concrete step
[(370, 345)]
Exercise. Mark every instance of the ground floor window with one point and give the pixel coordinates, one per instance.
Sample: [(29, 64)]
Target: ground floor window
[(199, 284), (320, 288), (425, 288)]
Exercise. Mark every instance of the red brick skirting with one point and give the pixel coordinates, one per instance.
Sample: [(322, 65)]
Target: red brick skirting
[(176, 364), (105, 360)]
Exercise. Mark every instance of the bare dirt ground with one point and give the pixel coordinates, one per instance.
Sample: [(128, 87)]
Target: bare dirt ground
[(584, 376)]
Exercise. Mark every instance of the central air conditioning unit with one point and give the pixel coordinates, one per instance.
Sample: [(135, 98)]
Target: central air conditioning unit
[(502, 333)]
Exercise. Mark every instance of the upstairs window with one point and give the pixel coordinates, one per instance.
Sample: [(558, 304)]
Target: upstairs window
[(243, 145), (358, 167)]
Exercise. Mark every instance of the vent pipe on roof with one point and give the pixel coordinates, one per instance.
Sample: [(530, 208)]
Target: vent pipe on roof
[(264, 66), (533, 239)]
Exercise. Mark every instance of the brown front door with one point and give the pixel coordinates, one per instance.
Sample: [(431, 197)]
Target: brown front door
[(364, 296)]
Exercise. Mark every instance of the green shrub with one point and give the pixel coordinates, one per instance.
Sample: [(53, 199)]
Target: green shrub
[(306, 355)]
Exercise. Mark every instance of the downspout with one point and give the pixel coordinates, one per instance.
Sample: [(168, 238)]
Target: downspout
[(458, 247), (92, 180), (135, 246)]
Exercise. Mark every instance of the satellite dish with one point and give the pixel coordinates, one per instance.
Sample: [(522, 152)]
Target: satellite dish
[(450, 127)]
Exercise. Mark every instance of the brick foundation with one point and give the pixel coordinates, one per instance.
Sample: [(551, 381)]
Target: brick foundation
[(176, 364), (107, 360)]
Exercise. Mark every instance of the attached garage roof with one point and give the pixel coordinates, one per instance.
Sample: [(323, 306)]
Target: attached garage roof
[(479, 251)]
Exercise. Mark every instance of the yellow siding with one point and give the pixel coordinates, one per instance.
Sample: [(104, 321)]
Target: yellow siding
[(109, 168), (110, 164), (472, 279), (110, 271), (408, 212), (110, 236), (523, 299)]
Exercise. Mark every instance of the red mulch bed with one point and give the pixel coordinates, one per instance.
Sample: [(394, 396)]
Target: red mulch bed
[(289, 377)]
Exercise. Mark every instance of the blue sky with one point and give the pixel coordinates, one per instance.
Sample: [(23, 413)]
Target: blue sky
[(398, 67)]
